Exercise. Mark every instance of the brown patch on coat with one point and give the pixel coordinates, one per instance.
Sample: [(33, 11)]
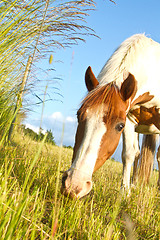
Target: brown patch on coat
[(147, 116), (145, 97)]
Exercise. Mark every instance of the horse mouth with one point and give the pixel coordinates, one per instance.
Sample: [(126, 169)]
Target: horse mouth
[(69, 193)]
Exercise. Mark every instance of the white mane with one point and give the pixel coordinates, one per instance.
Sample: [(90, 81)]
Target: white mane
[(125, 58)]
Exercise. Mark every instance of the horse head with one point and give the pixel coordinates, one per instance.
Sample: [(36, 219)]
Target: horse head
[(101, 120)]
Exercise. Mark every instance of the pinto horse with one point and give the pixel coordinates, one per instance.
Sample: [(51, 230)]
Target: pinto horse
[(125, 97)]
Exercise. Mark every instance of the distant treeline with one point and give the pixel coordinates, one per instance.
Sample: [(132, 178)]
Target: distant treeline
[(38, 136)]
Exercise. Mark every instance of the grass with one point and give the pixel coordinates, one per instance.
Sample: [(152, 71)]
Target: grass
[(33, 30), (32, 206)]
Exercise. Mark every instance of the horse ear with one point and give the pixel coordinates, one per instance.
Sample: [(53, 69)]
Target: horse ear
[(90, 80), (128, 87)]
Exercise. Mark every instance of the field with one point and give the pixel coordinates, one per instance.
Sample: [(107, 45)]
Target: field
[(32, 206)]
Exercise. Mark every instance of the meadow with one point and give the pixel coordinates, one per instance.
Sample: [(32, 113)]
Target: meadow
[(31, 204), (32, 207)]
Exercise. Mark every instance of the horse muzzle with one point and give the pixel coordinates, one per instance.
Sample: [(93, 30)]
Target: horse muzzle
[(74, 185)]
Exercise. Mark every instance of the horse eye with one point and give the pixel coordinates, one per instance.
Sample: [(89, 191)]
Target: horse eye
[(119, 127)]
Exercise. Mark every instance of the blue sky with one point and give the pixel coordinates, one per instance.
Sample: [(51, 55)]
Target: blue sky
[(113, 24)]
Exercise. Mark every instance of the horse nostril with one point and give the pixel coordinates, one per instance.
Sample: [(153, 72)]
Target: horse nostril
[(65, 175), (88, 186)]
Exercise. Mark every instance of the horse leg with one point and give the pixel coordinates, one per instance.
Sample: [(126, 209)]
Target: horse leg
[(158, 160), (147, 157), (130, 152), (135, 164)]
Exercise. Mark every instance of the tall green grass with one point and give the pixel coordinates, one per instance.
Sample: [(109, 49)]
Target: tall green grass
[(32, 206), (34, 28)]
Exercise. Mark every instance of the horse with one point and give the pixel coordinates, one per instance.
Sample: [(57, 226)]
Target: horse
[(123, 99)]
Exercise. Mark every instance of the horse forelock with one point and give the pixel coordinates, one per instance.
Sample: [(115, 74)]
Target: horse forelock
[(98, 97)]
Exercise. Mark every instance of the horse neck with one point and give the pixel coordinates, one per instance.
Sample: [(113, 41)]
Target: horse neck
[(129, 56)]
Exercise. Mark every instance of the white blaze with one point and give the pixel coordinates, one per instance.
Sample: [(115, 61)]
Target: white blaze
[(88, 151)]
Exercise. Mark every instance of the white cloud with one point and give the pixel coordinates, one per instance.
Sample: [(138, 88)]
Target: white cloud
[(34, 128), (71, 119), (57, 116)]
